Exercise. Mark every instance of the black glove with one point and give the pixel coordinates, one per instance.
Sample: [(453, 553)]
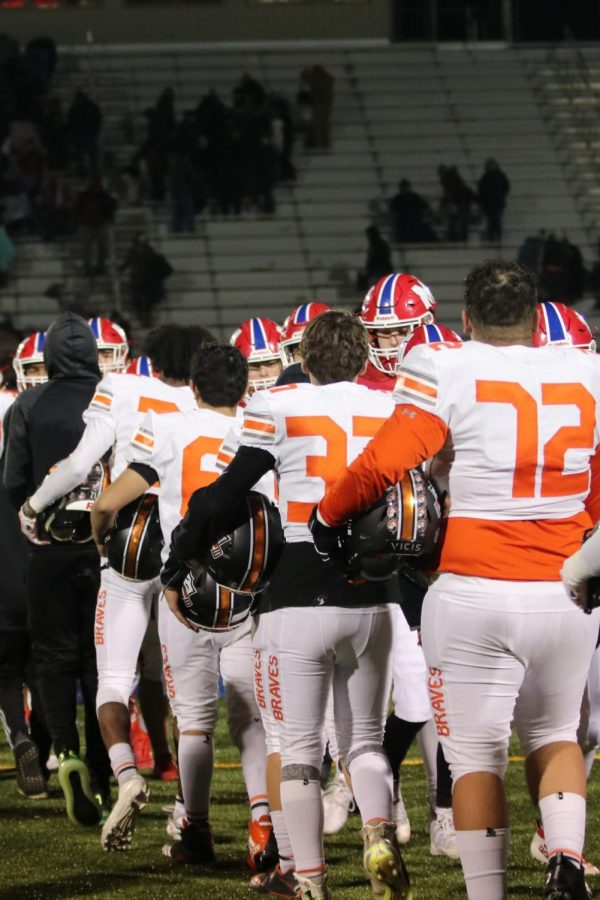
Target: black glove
[(328, 540)]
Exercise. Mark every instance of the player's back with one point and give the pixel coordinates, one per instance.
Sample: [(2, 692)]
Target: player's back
[(182, 448), (126, 399), (314, 432), (522, 427)]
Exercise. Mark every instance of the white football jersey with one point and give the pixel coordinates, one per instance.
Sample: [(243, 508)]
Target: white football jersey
[(124, 400), (522, 425), (267, 485), (7, 398), (314, 432), (182, 448)]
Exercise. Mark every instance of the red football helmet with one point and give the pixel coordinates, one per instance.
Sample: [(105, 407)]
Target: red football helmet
[(30, 352), (561, 326), (258, 340), (294, 325), (396, 302), (141, 365), (428, 334), (112, 344)]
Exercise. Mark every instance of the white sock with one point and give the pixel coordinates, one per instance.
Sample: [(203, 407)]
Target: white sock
[(195, 757), (253, 752), (563, 818), (122, 761), (303, 810), (427, 740), (282, 836), (373, 787), (483, 856)]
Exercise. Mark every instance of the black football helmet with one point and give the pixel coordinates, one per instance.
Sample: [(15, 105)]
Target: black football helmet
[(134, 544), (68, 519), (211, 606), (402, 527), (244, 559)]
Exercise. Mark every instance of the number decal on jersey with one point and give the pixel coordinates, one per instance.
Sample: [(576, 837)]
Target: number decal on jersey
[(554, 482), (158, 406), (335, 459), (193, 476)]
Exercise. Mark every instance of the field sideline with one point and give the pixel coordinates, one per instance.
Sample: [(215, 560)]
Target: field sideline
[(43, 857)]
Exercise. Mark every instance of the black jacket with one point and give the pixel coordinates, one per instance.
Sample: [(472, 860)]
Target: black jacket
[(44, 424)]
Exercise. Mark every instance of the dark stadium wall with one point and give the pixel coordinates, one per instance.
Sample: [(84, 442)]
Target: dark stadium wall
[(228, 20)]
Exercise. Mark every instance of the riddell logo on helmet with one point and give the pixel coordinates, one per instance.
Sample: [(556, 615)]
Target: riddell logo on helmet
[(99, 623), (438, 702)]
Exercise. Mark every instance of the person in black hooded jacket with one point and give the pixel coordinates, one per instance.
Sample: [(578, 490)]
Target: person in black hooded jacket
[(43, 426)]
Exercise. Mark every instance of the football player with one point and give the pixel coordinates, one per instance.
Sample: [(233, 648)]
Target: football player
[(258, 340), (113, 347), (391, 310), (516, 428), (179, 450), (323, 631), (124, 606), (29, 363)]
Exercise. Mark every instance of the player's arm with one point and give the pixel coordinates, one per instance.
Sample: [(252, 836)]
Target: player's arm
[(97, 438), (130, 485), (17, 471)]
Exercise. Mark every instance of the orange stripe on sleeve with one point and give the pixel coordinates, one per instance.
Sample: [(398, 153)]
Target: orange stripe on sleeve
[(414, 384), (409, 437), (253, 425), (143, 440), (102, 399)]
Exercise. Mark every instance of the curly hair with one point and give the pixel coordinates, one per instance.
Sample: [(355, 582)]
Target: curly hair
[(171, 347), (334, 346), (500, 294), (220, 374)]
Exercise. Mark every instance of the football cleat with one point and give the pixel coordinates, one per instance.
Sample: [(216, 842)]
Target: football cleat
[(195, 846), (166, 769), (262, 846), (384, 864), (337, 803), (565, 880), (74, 779), (442, 835), (539, 852), (312, 888), (30, 779), (118, 829), (400, 818), (276, 883)]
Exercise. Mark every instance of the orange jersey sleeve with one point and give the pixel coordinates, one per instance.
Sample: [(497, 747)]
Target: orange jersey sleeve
[(409, 437)]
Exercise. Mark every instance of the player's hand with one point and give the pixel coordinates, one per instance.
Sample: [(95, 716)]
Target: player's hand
[(172, 598), (327, 539), (575, 578), (29, 521)]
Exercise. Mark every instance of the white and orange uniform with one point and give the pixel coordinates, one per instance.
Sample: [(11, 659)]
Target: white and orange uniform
[(182, 449), (124, 607), (514, 430), (322, 633)]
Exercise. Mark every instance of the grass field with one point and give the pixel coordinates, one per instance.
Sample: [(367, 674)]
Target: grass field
[(44, 857)]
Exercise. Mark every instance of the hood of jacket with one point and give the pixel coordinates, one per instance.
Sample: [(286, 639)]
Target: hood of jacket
[(70, 350)]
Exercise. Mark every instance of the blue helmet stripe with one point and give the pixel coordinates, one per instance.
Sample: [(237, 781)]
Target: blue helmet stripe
[(433, 334), (40, 341), (95, 326), (302, 314), (386, 296), (259, 338), (556, 326)]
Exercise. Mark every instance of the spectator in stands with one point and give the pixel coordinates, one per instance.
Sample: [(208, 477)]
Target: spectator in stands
[(17, 207), (53, 210), (148, 271), (41, 56), (563, 274), (531, 251), (181, 187), (161, 124), (53, 134), (248, 93), (7, 254), (319, 87), (94, 213), (84, 124), (455, 206), (379, 259), (411, 215), (492, 190), (282, 133)]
